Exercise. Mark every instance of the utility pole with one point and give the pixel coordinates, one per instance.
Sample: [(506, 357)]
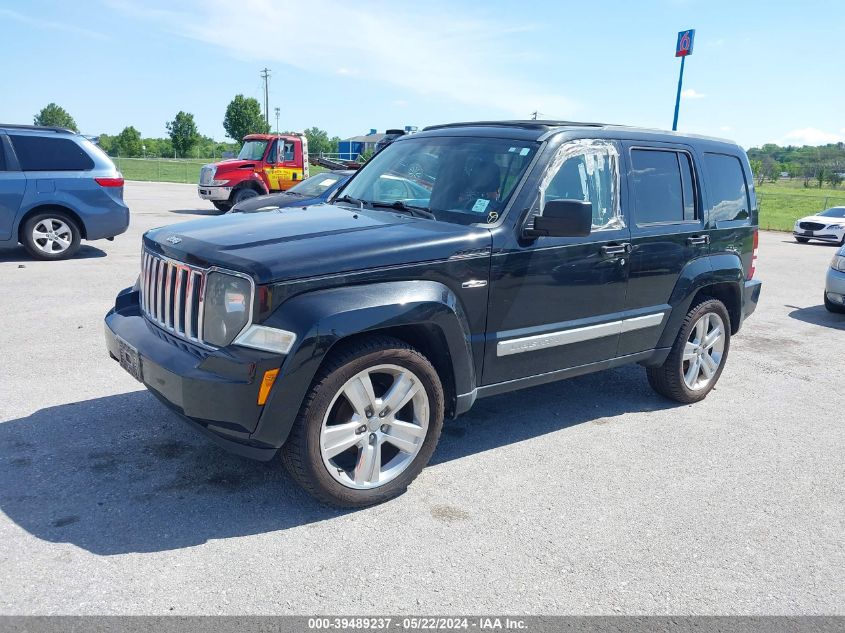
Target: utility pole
[(278, 110), (265, 75), (534, 115)]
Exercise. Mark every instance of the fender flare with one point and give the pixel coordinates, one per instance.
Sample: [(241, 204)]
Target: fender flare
[(323, 318), (253, 181), (717, 268)]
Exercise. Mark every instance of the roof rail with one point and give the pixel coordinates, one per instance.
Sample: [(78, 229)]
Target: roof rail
[(39, 128), (530, 124)]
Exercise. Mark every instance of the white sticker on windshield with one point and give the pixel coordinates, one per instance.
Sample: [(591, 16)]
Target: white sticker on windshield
[(328, 181), (480, 205), (523, 151)]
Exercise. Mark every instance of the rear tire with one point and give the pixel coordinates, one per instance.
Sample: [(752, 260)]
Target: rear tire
[(802, 240), (51, 235), (341, 448), (832, 307), (698, 354), (223, 207)]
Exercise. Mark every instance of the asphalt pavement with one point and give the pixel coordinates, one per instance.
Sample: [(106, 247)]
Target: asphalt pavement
[(588, 496)]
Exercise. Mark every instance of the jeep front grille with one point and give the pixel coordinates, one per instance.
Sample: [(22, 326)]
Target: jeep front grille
[(172, 295)]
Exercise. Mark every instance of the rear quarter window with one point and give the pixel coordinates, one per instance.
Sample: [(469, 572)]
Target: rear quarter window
[(39, 153), (728, 188), (2, 155)]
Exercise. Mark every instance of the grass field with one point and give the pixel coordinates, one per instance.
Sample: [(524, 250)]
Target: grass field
[(781, 203)]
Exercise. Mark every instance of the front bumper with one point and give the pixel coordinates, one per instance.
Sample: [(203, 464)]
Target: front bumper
[(215, 194), (834, 286), (215, 391), (824, 235)]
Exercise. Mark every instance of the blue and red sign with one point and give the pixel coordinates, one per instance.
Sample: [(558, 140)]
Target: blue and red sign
[(685, 40)]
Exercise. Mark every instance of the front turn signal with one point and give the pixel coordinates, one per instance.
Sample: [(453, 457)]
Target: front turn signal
[(267, 385)]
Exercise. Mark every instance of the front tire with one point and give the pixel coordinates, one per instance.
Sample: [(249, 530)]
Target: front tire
[(223, 207), (51, 235), (243, 194), (802, 240), (832, 307), (698, 354), (368, 426)]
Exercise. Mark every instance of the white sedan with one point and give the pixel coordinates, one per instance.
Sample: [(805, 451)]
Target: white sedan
[(827, 226)]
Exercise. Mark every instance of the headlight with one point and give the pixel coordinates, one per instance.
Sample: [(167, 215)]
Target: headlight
[(228, 305), (834, 226), (218, 183), (838, 263)]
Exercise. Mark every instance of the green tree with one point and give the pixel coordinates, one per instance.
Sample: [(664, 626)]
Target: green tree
[(243, 116), (128, 142), (335, 144), (106, 143), (318, 141), (834, 179), (757, 169), (183, 133), (821, 175), (56, 116)]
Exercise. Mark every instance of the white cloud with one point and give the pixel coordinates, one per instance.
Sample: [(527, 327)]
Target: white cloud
[(47, 24), (691, 93), (811, 136), (725, 128), (349, 72), (461, 58)]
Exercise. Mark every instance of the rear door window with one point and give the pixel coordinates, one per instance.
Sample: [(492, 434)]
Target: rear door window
[(664, 187), (39, 153), (727, 186)]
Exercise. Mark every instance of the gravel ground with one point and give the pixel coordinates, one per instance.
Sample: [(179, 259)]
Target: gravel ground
[(589, 496)]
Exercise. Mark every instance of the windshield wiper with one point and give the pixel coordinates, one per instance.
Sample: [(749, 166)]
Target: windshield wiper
[(351, 200), (420, 212)]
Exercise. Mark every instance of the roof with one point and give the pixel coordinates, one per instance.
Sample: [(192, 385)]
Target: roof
[(268, 137), (540, 129), (35, 128), (366, 138)]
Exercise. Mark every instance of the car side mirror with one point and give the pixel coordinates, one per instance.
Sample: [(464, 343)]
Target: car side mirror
[(563, 218)]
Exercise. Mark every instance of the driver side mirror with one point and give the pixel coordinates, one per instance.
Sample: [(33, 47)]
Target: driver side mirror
[(563, 218)]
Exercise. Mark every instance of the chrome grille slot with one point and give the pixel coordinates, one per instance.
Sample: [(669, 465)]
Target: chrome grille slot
[(171, 295)]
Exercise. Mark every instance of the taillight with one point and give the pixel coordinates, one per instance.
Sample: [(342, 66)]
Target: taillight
[(753, 265), (109, 182)]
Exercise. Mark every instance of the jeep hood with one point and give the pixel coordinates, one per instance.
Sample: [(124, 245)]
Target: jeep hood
[(324, 239)]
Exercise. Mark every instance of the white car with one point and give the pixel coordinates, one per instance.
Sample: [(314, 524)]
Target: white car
[(827, 226)]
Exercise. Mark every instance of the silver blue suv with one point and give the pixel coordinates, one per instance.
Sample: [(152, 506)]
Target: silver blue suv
[(56, 189)]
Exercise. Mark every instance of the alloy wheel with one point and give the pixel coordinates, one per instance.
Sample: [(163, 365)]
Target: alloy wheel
[(375, 426), (52, 236), (703, 351)]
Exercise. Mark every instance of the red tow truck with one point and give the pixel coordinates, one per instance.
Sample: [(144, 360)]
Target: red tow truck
[(265, 164)]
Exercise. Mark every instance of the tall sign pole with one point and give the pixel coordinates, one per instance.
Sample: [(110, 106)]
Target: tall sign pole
[(682, 49), (265, 75)]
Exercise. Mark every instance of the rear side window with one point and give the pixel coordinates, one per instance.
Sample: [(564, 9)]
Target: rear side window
[(664, 188), (2, 155), (39, 153), (727, 187)]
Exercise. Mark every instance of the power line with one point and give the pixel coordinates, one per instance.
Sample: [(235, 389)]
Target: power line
[(265, 75)]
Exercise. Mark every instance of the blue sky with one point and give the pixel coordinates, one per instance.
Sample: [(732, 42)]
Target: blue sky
[(760, 72)]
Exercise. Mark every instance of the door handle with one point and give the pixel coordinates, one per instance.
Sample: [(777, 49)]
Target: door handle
[(698, 240), (613, 250)]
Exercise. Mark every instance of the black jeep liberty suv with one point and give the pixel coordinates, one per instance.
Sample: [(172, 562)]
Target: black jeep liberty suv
[(465, 261)]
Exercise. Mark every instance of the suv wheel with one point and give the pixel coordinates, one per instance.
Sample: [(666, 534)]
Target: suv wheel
[(243, 194), (368, 425), (51, 235), (698, 355), (833, 307)]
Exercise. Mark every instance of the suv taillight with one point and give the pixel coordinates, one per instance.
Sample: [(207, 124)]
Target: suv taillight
[(109, 182), (753, 267)]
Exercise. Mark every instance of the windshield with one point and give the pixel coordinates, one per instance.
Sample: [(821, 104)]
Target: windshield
[(318, 185), (252, 150), (835, 212), (458, 179)]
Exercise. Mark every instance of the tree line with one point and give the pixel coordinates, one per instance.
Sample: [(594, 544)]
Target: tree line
[(243, 116), (815, 165)]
